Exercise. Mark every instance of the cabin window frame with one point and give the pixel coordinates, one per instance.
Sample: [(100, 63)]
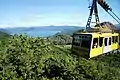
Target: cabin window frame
[(110, 41), (105, 41), (116, 39), (94, 45), (101, 41), (113, 39)]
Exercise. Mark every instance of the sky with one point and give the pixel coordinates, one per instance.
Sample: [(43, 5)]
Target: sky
[(26, 13)]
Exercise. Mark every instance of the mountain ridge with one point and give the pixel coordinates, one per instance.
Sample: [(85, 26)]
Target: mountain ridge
[(43, 31)]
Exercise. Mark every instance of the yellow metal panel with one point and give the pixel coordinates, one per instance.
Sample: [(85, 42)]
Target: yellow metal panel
[(96, 52), (114, 46)]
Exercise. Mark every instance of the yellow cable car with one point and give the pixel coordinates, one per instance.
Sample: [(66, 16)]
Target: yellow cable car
[(98, 40), (93, 44)]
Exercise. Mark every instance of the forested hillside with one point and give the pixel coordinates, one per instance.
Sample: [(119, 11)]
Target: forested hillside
[(4, 35), (27, 58), (61, 39)]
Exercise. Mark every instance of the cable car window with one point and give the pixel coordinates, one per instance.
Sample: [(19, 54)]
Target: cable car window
[(105, 41), (82, 40), (101, 41), (86, 41), (116, 39), (113, 39), (110, 41), (85, 44), (76, 40), (95, 43)]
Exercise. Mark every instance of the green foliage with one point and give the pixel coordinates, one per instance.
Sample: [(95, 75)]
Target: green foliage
[(60, 39), (27, 58), (4, 38)]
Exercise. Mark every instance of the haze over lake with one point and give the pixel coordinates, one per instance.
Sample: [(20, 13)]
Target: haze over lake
[(42, 31)]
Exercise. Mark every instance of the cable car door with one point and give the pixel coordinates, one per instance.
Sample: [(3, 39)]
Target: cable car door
[(107, 44)]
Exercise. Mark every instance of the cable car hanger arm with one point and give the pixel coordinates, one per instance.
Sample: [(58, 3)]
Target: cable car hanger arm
[(108, 9)]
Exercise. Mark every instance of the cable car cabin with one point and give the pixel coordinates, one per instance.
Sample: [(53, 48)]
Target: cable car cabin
[(90, 45)]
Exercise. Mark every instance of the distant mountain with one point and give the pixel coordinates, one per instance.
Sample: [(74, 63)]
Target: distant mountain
[(43, 31), (4, 34), (4, 31)]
